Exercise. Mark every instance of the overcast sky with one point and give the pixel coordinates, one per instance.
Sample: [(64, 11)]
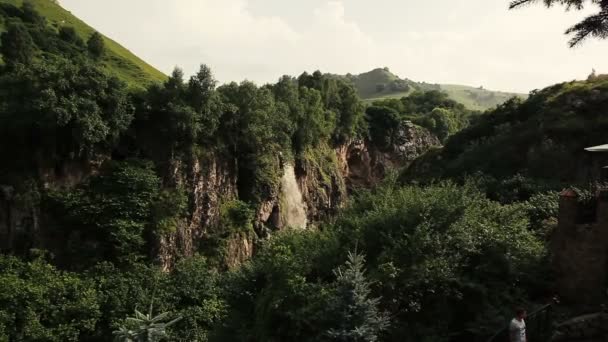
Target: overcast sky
[(472, 42)]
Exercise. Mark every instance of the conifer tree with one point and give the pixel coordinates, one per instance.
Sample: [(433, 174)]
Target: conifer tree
[(358, 316), (145, 328), (595, 25)]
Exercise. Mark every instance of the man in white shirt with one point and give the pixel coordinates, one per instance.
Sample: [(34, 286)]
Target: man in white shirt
[(517, 328)]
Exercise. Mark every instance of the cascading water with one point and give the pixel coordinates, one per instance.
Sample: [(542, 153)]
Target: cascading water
[(293, 209)]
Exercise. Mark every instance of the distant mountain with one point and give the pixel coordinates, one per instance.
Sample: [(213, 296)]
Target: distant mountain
[(382, 83), (118, 60)]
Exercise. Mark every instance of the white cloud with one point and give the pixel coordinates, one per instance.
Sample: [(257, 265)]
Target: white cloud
[(474, 42)]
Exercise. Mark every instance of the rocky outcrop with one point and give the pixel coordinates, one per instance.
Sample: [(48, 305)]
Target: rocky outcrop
[(22, 221), (323, 177), (323, 189), (239, 248), (364, 165), (208, 180)]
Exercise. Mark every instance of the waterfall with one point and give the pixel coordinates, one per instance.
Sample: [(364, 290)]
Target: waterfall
[(293, 209)]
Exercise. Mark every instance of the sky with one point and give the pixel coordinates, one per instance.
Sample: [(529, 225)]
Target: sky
[(471, 42)]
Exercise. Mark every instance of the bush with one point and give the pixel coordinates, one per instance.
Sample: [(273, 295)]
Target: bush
[(40, 303), (96, 45)]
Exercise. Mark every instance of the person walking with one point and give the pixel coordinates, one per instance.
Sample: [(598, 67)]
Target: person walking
[(517, 327)]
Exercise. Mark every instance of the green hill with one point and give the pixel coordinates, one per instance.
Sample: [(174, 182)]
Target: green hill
[(382, 83), (118, 60), (541, 138)]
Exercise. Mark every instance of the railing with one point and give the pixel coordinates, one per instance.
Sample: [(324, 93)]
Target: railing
[(539, 326)]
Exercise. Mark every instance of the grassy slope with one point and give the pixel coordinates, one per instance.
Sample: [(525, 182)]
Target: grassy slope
[(544, 137), (472, 98), (118, 60), (476, 98)]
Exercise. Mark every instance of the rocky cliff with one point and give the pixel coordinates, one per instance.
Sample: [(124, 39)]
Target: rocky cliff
[(324, 177)]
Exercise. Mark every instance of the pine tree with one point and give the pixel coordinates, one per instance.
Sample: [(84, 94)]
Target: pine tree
[(145, 327), (358, 316), (595, 25)]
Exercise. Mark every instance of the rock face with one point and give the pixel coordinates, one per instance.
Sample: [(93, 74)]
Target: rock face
[(208, 181), (364, 165), (21, 220), (323, 182)]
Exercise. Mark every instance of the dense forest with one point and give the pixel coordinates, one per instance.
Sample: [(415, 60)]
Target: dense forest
[(105, 173)]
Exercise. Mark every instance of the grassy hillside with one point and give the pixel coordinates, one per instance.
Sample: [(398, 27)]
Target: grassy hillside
[(381, 84), (542, 137), (118, 60), (477, 98)]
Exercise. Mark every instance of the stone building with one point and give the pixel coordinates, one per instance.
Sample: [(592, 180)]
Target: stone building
[(580, 243)]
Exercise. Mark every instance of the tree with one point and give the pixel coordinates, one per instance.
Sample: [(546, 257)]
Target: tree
[(203, 98), (17, 44), (201, 87), (60, 108), (31, 15), (383, 125), (96, 45), (444, 123), (106, 219), (145, 327), (358, 316), (68, 34), (41, 303), (595, 25)]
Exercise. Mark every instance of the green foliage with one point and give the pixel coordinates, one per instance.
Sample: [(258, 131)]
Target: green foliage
[(40, 303), (541, 138), (168, 209), (432, 110), (145, 327), (236, 216), (31, 15), (60, 109), (17, 44), (42, 16), (197, 298), (382, 85), (69, 35), (339, 97), (542, 210), (433, 249), (105, 219), (442, 123), (281, 294), (358, 316), (443, 258), (256, 131), (96, 45), (384, 124)]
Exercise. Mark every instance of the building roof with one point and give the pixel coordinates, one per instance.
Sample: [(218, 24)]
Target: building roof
[(600, 148)]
